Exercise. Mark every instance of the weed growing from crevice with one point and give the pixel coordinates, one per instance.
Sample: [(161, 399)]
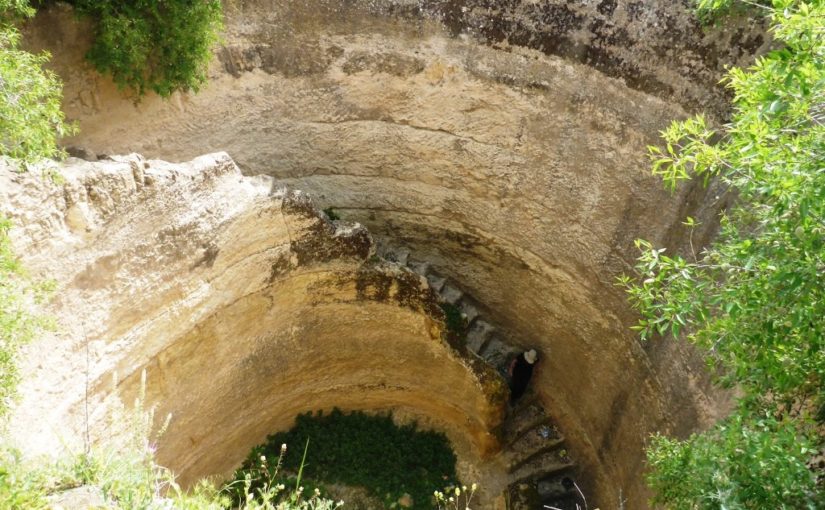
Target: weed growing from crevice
[(331, 214)]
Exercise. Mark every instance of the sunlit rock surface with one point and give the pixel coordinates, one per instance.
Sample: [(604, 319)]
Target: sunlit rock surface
[(501, 142), (242, 303)]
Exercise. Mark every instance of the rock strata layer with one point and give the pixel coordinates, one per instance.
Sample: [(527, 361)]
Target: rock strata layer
[(502, 143), (240, 301)]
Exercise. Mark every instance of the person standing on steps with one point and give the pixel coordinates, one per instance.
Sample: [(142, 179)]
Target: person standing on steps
[(520, 372)]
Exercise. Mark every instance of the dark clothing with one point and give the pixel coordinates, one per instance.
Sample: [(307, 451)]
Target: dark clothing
[(520, 373)]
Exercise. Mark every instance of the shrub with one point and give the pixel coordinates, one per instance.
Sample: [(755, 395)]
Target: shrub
[(10, 9), (331, 214), (744, 462), (156, 45), (31, 120), (20, 487), (453, 319), (754, 300)]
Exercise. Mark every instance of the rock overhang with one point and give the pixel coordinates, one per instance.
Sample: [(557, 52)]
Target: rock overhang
[(240, 303)]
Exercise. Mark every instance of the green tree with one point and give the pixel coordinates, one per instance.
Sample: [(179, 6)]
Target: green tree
[(11, 9), (754, 301), (31, 120), (157, 45)]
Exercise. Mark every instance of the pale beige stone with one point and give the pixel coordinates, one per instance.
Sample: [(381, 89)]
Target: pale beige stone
[(505, 146)]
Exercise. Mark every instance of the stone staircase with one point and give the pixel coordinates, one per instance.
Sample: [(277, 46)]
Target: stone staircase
[(539, 469), (482, 338)]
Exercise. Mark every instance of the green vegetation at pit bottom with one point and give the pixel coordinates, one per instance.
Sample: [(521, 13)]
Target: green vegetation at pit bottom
[(358, 449)]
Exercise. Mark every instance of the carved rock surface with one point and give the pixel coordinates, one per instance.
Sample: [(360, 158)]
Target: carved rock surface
[(242, 303), (502, 143)]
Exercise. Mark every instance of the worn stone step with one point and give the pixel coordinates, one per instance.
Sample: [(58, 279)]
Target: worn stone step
[(436, 282), (530, 447), (550, 494), (394, 254), (478, 335), (418, 266), (493, 347), (450, 294), (402, 255), (542, 466), (535, 439), (522, 496), (524, 419), (563, 503), (468, 310), (557, 489), (498, 353)]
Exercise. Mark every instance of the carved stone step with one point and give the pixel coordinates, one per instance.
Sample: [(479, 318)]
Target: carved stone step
[(536, 439), (553, 493), (543, 466), (402, 255), (524, 419), (418, 267), (498, 353), (529, 447), (558, 490), (450, 294), (394, 254), (563, 503), (436, 282), (478, 335)]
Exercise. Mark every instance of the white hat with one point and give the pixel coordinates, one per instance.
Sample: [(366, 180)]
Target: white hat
[(530, 356)]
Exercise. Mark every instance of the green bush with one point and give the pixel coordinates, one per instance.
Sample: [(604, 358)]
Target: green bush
[(754, 300), (357, 449), (156, 45), (20, 487), (31, 120), (743, 463), (11, 9), (146, 45), (453, 319)]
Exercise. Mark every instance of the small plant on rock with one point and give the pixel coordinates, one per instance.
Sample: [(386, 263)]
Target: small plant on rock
[(455, 498)]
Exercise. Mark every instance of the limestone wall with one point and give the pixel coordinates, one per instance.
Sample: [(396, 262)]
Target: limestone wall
[(504, 142), (244, 306)]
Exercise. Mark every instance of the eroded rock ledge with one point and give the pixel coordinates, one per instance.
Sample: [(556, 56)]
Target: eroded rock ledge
[(243, 303)]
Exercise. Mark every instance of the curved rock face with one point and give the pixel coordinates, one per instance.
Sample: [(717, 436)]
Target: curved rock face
[(244, 306), (501, 143)]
